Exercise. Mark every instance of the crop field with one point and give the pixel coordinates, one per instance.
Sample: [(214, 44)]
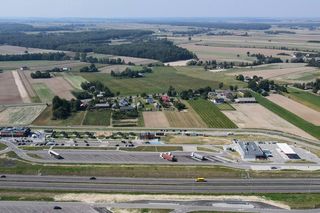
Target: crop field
[(9, 93), (304, 97), (225, 106), (157, 82), (57, 85), (289, 116), (282, 73), (74, 80), (186, 119), (300, 110), (40, 65), (207, 52), (43, 92), (44, 119), (12, 50), (97, 118), (20, 115), (211, 114), (155, 119)]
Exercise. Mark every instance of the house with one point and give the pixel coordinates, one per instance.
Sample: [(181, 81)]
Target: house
[(123, 103), (211, 95), (165, 98), (218, 101), (245, 100), (102, 106), (127, 108), (149, 100), (66, 69), (247, 79)]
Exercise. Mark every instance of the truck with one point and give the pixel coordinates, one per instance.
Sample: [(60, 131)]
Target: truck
[(197, 156), (168, 156), (55, 154)]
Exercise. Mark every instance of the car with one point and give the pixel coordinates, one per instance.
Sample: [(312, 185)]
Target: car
[(93, 178), (3, 176), (274, 167), (57, 208), (88, 144), (200, 180)]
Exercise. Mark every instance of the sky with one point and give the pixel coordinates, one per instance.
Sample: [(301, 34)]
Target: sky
[(159, 8)]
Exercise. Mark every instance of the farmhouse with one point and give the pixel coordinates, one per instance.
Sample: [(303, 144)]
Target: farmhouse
[(165, 98), (126, 108), (249, 150), (102, 106), (15, 132), (149, 100), (245, 100)]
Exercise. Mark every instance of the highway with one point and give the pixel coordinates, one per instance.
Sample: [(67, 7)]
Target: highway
[(146, 185)]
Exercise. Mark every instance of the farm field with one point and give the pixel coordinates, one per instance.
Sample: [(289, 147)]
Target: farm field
[(208, 52), (22, 90), (211, 114), (155, 120), (290, 117), (282, 73), (44, 119), (20, 115), (187, 118), (304, 97), (256, 116), (40, 64), (225, 106), (157, 82), (58, 85), (97, 118), (300, 110), (43, 92), (9, 93), (16, 50), (74, 80)]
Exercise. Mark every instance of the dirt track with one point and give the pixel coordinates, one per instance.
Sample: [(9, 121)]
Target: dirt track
[(300, 110), (256, 116)]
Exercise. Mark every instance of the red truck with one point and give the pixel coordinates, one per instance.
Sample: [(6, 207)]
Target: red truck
[(168, 156)]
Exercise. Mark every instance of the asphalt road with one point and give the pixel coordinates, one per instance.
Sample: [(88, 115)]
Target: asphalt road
[(146, 185)]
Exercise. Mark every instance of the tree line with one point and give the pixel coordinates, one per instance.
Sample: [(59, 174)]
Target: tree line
[(130, 73), (56, 56), (39, 74)]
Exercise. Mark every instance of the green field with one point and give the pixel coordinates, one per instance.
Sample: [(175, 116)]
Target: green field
[(289, 116), (2, 146), (211, 114), (225, 106), (44, 119), (43, 92), (74, 80), (304, 97), (160, 80), (97, 118)]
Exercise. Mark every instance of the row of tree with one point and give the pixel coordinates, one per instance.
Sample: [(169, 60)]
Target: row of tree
[(39, 74), (56, 56), (313, 85), (130, 73), (91, 68)]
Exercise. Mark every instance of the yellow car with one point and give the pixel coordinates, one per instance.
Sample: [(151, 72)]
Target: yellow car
[(201, 180)]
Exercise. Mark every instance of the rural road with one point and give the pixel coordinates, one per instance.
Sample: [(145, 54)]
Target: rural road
[(146, 185)]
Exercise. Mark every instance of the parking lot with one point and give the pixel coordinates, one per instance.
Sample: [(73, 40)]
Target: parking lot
[(98, 156)]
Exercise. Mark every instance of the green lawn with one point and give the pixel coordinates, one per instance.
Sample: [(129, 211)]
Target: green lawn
[(160, 80), (97, 118), (43, 92), (289, 116), (2, 146), (211, 114), (304, 97)]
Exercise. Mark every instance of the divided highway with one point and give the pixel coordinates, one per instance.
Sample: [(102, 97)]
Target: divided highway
[(146, 185)]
